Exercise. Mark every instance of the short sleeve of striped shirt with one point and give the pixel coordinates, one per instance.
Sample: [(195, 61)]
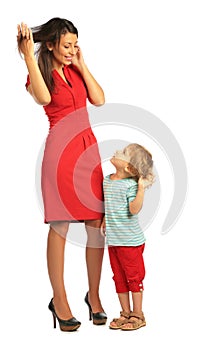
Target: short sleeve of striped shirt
[(131, 192)]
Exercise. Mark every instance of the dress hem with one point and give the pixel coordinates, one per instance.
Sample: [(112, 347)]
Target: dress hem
[(73, 221)]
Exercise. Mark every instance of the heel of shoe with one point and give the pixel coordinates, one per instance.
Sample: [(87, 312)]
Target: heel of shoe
[(54, 320), (90, 314)]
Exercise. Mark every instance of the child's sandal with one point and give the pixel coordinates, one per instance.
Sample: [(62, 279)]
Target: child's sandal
[(119, 322), (136, 321)]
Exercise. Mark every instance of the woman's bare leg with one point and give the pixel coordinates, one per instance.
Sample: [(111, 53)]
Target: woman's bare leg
[(55, 262), (94, 258)]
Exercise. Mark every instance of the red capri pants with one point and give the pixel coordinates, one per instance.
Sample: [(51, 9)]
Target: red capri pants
[(128, 268)]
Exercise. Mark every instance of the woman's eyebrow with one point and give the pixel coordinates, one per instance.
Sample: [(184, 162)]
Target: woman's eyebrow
[(68, 42)]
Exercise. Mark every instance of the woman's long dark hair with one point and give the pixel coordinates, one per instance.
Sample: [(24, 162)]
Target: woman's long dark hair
[(50, 31)]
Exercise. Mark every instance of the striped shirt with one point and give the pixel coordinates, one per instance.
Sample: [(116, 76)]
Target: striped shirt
[(122, 228)]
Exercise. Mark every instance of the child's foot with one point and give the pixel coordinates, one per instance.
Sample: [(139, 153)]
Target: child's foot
[(117, 323), (135, 321)]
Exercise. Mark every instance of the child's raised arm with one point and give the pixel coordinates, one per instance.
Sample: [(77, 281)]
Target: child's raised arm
[(136, 205)]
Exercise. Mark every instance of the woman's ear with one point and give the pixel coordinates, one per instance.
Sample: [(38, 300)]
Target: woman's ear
[(49, 45)]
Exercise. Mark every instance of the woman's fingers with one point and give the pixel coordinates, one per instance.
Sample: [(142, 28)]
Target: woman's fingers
[(19, 32), (30, 34), (27, 32), (24, 31)]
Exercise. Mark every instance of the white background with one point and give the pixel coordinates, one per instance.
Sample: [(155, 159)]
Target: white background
[(166, 57)]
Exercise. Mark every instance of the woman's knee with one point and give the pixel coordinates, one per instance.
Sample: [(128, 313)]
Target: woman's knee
[(60, 228), (94, 236)]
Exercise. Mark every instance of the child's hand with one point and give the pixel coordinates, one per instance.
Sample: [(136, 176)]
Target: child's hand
[(141, 183), (103, 228), (146, 182)]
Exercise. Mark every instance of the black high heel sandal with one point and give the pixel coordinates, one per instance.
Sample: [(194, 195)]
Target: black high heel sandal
[(99, 318), (65, 325)]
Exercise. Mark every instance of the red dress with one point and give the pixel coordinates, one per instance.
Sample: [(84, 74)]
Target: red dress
[(72, 176)]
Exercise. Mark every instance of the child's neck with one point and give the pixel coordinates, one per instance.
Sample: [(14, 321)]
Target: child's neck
[(119, 175)]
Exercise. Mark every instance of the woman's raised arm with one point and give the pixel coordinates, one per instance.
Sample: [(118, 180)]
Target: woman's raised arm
[(37, 88)]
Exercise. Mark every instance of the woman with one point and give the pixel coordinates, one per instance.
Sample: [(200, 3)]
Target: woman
[(71, 170)]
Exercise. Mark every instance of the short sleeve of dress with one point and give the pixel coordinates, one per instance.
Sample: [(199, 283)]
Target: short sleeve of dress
[(27, 81), (132, 192)]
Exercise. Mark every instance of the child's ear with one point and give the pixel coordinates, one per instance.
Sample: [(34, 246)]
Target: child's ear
[(131, 170), (127, 169)]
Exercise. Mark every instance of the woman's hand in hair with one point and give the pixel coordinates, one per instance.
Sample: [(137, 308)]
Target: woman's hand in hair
[(25, 40)]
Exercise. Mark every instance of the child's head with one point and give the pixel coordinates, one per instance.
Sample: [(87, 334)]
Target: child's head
[(138, 162)]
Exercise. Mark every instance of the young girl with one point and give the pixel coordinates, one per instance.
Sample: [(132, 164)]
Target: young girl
[(124, 195)]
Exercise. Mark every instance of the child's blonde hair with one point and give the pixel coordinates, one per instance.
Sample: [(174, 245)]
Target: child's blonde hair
[(140, 163)]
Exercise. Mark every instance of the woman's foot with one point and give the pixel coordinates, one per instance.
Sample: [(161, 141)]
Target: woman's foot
[(99, 317), (95, 302), (68, 325), (62, 309)]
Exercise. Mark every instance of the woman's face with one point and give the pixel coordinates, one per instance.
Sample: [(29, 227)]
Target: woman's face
[(65, 50)]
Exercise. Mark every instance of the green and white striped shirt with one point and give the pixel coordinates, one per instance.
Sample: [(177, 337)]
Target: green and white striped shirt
[(122, 228)]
